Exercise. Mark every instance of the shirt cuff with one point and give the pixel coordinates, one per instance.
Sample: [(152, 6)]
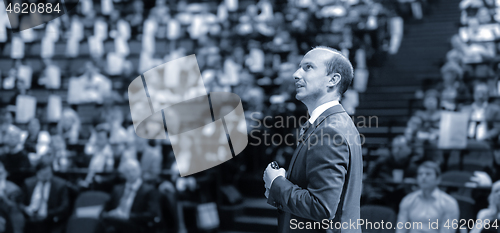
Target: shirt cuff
[(273, 181)]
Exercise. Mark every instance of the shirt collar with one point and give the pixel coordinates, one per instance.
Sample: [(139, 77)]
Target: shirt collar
[(479, 106), (136, 184), (320, 109), (434, 194)]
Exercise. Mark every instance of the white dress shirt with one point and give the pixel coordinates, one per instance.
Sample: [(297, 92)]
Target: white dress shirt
[(321, 109), (127, 199), (38, 199)]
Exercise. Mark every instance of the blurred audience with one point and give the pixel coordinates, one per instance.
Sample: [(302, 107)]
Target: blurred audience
[(133, 207), (423, 126), (452, 90), (11, 198), (100, 153), (401, 164), (247, 48), (69, 126), (429, 203), (14, 157), (484, 116), (46, 202), (491, 214), (37, 141)]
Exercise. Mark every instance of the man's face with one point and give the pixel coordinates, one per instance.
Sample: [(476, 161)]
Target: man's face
[(426, 178), (400, 150), (44, 174), (430, 103), (481, 93), (102, 138), (34, 126), (118, 148), (13, 139), (310, 79), (131, 172), (449, 77)]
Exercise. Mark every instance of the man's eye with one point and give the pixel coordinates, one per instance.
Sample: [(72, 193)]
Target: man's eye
[(307, 67)]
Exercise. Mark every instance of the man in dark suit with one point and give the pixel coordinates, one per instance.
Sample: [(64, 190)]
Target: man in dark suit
[(322, 187), (46, 200), (133, 207)]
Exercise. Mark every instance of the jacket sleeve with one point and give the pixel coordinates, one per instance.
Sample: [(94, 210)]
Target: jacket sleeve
[(326, 168), (151, 211), (62, 210)]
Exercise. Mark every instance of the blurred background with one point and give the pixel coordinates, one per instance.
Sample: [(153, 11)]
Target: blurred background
[(426, 87)]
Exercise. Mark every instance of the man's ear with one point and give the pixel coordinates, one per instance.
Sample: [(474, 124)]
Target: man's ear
[(334, 79)]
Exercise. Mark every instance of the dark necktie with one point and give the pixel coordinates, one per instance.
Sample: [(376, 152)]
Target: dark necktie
[(42, 198), (304, 129), (125, 197)]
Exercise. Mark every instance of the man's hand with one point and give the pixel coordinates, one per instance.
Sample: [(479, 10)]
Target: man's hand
[(270, 174)]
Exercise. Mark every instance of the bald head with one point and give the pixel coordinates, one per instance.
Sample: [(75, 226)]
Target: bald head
[(13, 136), (131, 169), (338, 63), (324, 75)]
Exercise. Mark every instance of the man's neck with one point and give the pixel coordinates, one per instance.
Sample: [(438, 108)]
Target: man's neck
[(480, 103), (427, 193)]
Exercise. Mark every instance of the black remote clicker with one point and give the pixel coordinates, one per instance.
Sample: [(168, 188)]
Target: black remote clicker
[(275, 165)]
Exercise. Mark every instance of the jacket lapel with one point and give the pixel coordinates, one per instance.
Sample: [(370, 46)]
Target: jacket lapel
[(333, 110)]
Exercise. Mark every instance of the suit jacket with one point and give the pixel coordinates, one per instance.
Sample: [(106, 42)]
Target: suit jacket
[(492, 117), (151, 162), (58, 202), (324, 179), (145, 208), (11, 206)]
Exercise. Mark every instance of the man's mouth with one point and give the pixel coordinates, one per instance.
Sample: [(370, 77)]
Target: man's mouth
[(298, 85)]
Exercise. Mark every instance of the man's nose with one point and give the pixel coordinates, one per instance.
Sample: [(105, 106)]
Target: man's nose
[(297, 75)]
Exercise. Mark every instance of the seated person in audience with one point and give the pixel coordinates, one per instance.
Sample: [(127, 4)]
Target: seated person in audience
[(136, 17), (14, 157), (46, 203), (151, 162), (121, 153), (10, 200), (92, 86), (424, 125), (149, 154), (490, 214), (114, 119), (101, 154), (399, 164), (37, 142), (62, 159), (484, 117), (5, 125), (69, 126), (429, 203), (134, 205), (171, 190), (452, 90)]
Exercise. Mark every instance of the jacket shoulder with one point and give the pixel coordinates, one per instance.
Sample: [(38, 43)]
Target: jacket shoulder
[(30, 181), (409, 199), (147, 187)]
